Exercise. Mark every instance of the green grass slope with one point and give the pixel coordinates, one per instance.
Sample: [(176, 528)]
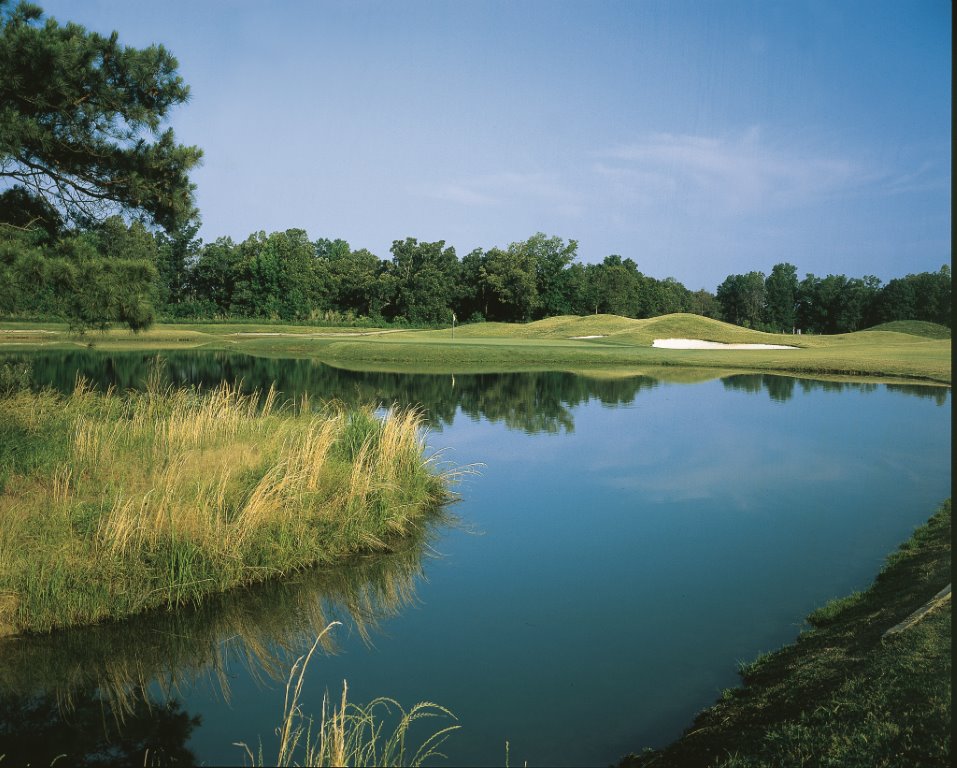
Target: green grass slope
[(915, 328), (561, 327), (622, 329), (686, 326), (845, 694)]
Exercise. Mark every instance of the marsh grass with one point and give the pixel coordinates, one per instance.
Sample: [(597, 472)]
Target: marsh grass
[(112, 504)]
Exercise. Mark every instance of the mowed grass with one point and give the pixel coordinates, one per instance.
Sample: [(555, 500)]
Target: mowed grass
[(112, 504), (560, 342), (847, 693), (907, 350), (915, 328)]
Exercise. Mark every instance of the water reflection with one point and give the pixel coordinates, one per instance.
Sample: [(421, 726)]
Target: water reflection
[(782, 388), (109, 694), (533, 402), (35, 730)]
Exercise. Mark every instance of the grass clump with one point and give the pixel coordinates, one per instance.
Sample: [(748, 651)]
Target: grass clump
[(111, 504), (14, 377), (350, 734), (848, 692)]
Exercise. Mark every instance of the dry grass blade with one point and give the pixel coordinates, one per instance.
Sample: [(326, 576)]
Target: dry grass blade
[(350, 734)]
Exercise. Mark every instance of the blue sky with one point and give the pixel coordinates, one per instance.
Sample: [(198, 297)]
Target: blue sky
[(697, 138)]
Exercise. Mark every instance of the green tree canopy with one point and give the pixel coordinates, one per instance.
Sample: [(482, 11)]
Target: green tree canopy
[(780, 297), (509, 278), (741, 298), (424, 276), (80, 119), (552, 258)]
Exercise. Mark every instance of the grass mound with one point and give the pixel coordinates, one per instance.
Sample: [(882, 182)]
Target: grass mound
[(686, 326), (572, 326), (114, 504), (615, 327), (845, 693), (915, 328), (560, 327)]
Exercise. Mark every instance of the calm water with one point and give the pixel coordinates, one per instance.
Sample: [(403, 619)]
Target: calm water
[(625, 544)]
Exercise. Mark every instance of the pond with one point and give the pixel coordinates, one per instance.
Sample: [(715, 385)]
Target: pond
[(624, 543)]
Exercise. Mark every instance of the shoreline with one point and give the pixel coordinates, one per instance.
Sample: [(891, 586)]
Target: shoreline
[(864, 684)]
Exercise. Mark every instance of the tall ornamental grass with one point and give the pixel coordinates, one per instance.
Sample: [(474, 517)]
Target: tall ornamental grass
[(111, 504)]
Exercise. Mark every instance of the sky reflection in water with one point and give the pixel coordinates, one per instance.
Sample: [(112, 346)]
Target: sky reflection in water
[(625, 543)]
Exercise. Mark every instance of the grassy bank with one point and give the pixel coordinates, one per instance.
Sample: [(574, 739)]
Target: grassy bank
[(846, 693), (907, 350), (114, 504)]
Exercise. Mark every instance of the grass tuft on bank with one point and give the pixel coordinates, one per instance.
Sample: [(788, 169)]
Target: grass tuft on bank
[(351, 734), (113, 504), (847, 693)]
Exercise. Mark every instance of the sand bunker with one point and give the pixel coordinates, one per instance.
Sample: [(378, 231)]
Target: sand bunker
[(697, 344)]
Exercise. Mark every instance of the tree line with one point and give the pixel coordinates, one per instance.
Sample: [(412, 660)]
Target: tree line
[(832, 304), (98, 226), (123, 272)]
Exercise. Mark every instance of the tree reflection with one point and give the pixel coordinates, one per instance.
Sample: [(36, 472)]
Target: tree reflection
[(937, 394), (105, 694), (532, 401), (35, 730), (782, 388)]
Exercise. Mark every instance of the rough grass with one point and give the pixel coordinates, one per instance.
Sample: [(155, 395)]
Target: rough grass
[(844, 694), (110, 505), (894, 351)]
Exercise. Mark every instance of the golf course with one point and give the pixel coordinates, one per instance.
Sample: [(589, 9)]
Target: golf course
[(906, 350), (170, 495), (580, 371)]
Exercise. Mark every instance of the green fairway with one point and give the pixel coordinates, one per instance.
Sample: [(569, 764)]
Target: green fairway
[(904, 350)]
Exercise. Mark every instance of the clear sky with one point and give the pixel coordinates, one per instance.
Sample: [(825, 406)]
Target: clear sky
[(698, 138)]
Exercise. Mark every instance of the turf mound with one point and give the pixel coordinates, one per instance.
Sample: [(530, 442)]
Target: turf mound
[(686, 326), (572, 326), (616, 328), (915, 328), (560, 327)]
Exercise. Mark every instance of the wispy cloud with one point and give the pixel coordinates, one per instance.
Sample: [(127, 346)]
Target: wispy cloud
[(929, 176), (505, 189), (733, 175)]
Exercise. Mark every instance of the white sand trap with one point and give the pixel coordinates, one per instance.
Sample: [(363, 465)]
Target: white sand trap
[(601, 336), (697, 344)]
